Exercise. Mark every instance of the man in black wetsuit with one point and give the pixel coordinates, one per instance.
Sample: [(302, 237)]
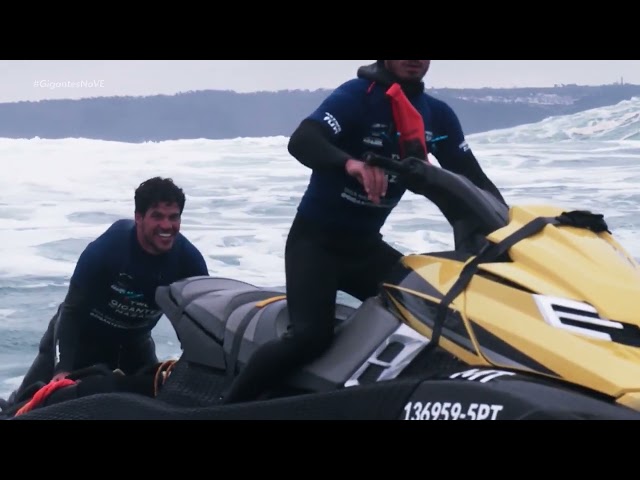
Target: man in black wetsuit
[(110, 310), (335, 241)]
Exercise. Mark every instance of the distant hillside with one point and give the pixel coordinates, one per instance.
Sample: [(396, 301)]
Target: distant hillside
[(217, 114)]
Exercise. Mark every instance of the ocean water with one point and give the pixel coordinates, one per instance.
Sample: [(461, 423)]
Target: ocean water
[(58, 195)]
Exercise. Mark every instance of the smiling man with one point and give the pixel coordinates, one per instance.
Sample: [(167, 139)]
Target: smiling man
[(110, 310)]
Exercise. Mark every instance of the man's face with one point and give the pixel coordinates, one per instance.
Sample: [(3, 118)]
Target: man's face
[(408, 70), (157, 229)]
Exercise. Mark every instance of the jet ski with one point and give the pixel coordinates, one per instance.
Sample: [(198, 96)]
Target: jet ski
[(531, 316)]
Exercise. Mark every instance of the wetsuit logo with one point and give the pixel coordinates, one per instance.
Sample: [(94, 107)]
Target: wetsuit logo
[(126, 306), (126, 293), (332, 122)]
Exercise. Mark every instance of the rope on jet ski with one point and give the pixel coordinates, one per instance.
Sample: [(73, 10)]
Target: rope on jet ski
[(493, 251), (41, 395), (162, 374)]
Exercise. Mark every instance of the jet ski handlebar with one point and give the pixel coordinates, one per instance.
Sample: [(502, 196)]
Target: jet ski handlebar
[(388, 164), (460, 201)]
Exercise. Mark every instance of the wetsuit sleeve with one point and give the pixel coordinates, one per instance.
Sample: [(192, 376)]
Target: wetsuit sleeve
[(314, 142), (86, 275), (454, 154), (197, 265)]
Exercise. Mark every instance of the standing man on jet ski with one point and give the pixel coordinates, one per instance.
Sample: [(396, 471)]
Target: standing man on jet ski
[(335, 241), (110, 310)]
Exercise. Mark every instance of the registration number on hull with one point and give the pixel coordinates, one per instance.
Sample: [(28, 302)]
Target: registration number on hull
[(451, 411)]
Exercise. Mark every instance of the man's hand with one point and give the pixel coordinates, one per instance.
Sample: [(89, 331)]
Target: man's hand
[(373, 179)]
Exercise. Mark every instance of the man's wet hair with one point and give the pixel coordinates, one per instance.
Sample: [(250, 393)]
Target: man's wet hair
[(156, 190)]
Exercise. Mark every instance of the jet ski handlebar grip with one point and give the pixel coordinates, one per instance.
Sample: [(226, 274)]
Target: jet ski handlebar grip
[(386, 163)]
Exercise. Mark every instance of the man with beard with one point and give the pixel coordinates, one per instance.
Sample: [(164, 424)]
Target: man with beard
[(335, 243), (109, 311)]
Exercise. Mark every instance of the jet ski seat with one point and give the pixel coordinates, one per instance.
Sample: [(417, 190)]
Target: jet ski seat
[(222, 322)]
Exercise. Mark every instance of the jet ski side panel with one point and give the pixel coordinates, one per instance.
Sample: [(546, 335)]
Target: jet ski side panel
[(489, 394), (471, 394)]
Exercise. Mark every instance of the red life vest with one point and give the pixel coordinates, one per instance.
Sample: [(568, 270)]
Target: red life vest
[(409, 124)]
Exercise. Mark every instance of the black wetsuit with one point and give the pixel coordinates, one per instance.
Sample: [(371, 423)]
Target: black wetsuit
[(110, 309), (335, 241)]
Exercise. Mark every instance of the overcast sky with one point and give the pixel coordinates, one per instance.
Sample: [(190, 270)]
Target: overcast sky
[(44, 79)]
